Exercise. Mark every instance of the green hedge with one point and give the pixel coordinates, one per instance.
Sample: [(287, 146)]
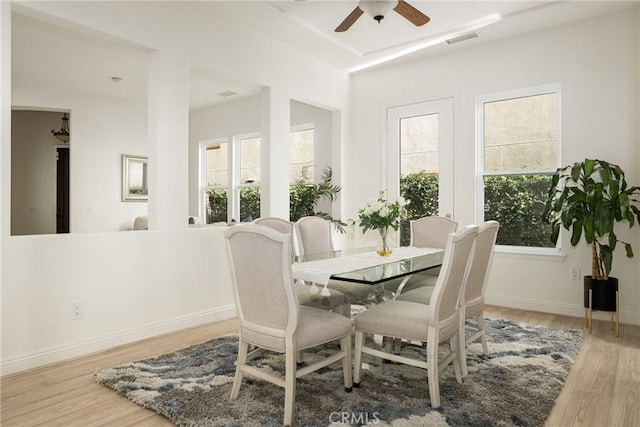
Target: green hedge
[(422, 191), (302, 200), (217, 206), (516, 201)]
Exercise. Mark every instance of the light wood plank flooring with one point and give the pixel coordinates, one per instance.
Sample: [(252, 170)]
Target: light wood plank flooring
[(602, 390)]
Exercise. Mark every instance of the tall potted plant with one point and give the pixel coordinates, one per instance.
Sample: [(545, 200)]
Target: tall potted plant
[(588, 198)]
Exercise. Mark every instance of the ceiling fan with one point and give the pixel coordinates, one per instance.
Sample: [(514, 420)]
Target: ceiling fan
[(379, 8)]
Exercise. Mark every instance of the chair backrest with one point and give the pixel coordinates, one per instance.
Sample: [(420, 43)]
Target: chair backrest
[(262, 279), (481, 260), (278, 224), (454, 271), (314, 235), (432, 231)]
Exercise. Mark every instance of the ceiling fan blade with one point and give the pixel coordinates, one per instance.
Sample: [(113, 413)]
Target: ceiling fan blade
[(410, 13), (349, 20)]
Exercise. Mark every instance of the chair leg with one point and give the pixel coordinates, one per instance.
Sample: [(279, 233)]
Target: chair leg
[(243, 349), (397, 345), (483, 340), (289, 386), (358, 358), (388, 344), (432, 369), (462, 351), (457, 348), (345, 345)]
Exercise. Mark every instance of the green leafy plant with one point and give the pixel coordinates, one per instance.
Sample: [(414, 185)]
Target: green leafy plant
[(517, 203), (422, 189), (589, 198), (304, 197)]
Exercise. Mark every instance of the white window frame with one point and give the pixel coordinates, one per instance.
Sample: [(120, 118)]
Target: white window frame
[(517, 251), (233, 170), (445, 108), (233, 177), (299, 128), (202, 199)]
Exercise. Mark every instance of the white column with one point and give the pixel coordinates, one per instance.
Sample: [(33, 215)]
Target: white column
[(274, 197), (168, 140), (5, 119), (337, 155)]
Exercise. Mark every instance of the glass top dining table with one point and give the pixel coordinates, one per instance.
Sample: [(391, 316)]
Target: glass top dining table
[(364, 265)]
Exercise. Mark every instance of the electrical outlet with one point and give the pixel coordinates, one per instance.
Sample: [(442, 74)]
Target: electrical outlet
[(78, 311), (575, 273)]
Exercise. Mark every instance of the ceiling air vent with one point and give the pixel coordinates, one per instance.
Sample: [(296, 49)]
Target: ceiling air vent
[(462, 37), (227, 93)]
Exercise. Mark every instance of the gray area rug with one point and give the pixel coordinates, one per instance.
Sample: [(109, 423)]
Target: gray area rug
[(515, 385)]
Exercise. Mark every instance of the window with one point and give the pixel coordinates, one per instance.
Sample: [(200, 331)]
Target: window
[(230, 181), (214, 180), (418, 168), (247, 188), (301, 146), (230, 173), (420, 159), (519, 142)]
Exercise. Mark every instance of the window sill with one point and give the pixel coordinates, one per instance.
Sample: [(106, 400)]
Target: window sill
[(522, 252)]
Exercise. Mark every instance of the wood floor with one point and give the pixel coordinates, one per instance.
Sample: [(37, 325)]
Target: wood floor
[(602, 390)]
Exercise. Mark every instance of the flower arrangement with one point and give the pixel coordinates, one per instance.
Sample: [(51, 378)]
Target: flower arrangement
[(381, 215)]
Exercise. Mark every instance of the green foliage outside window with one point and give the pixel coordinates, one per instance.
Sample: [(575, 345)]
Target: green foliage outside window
[(422, 191), (249, 203), (303, 198), (218, 202), (517, 203), (216, 206)]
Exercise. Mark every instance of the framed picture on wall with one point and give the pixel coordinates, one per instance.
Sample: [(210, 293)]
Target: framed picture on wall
[(134, 179)]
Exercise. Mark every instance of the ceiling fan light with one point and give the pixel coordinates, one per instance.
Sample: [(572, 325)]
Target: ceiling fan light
[(378, 9)]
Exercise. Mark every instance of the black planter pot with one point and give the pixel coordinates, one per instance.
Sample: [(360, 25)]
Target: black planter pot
[(603, 293)]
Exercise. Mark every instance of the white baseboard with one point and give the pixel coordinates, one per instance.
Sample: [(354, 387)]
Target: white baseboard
[(91, 346), (556, 308)]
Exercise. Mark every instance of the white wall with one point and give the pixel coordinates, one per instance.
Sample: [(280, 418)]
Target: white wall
[(598, 72), (138, 284)]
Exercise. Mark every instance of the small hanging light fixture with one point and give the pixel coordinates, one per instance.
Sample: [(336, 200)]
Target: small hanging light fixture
[(62, 135)]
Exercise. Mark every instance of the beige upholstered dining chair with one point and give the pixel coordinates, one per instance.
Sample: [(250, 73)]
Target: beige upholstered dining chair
[(305, 297), (431, 231), (435, 323), (428, 232), (473, 301), (477, 284), (315, 236), (270, 316)]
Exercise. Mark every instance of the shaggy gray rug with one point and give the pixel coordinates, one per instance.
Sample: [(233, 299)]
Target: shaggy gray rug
[(515, 385)]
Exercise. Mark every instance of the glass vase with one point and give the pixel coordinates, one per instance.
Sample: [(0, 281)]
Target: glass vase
[(385, 249)]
